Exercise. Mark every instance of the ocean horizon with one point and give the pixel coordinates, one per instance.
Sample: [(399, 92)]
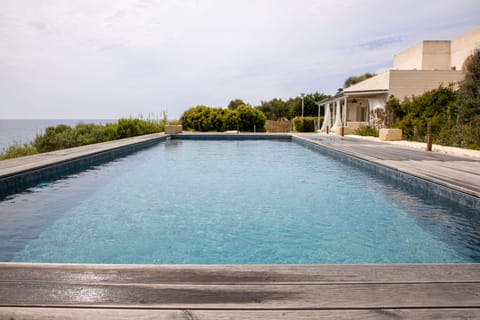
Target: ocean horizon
[(20, 131)]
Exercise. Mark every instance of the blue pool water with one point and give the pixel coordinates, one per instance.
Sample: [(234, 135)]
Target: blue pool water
[(232, 202)]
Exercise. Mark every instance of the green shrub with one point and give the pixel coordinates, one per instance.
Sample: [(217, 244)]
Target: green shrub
[(366, 131), (243, 118), (18, 150), (63, 136), (203, 118), (250, 119), (453, 118), (230, 120), (305, 124), (111, 132), (434, 107), (462, 136), (55, 138)]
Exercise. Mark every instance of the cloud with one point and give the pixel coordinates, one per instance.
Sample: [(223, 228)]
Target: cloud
[(91, 59), (381, 42)]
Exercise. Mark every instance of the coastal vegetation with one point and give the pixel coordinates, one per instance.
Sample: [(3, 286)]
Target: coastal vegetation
[(242, 118), (16, 150), (63, 136)]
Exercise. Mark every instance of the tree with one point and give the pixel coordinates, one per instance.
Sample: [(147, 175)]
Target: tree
[(310, 108), (234, 104), (350, 81), (274, 109), (469, 92)]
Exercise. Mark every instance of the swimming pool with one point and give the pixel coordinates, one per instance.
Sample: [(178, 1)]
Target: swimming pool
[(231, 202)]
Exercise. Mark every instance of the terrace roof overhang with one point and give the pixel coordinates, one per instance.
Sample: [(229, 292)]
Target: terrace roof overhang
[(346, 94), (365, 92)]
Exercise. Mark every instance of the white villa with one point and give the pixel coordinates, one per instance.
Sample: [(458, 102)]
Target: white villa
[(420, 68)]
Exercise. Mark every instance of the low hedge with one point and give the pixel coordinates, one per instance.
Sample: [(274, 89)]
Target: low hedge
[(305, 124)]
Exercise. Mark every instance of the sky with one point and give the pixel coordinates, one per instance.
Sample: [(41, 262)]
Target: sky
[(106, 59)]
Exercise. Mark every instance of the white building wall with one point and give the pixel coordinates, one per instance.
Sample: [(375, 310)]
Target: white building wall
[(405, 83), (436, 55), (409, 59), (463, 47)]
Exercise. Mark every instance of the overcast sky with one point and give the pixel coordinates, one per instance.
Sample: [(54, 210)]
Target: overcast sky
[(91, 59)]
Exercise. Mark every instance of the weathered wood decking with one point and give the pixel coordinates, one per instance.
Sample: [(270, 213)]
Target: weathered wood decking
[(29, 291)]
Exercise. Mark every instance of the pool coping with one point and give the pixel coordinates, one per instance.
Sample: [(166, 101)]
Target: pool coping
[(16, 173)]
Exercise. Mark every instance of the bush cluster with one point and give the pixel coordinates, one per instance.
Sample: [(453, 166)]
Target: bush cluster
[(243, 118), (366, 131), (413, 115), (63, 136), (439, 111), (16, 150), (305, 124)]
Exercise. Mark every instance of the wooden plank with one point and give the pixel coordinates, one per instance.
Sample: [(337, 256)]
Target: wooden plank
[(240, 274), (340, 296), (378, 314)]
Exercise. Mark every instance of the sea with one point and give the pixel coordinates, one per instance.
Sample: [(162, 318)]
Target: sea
[(24, 131)]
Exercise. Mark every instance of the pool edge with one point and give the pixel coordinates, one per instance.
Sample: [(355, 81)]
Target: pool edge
[(449, 192)]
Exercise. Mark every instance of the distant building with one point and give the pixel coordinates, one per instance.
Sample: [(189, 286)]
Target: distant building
[(420, 68)]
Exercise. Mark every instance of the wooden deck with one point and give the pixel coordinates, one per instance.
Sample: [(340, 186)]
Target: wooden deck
[(43, 291)]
